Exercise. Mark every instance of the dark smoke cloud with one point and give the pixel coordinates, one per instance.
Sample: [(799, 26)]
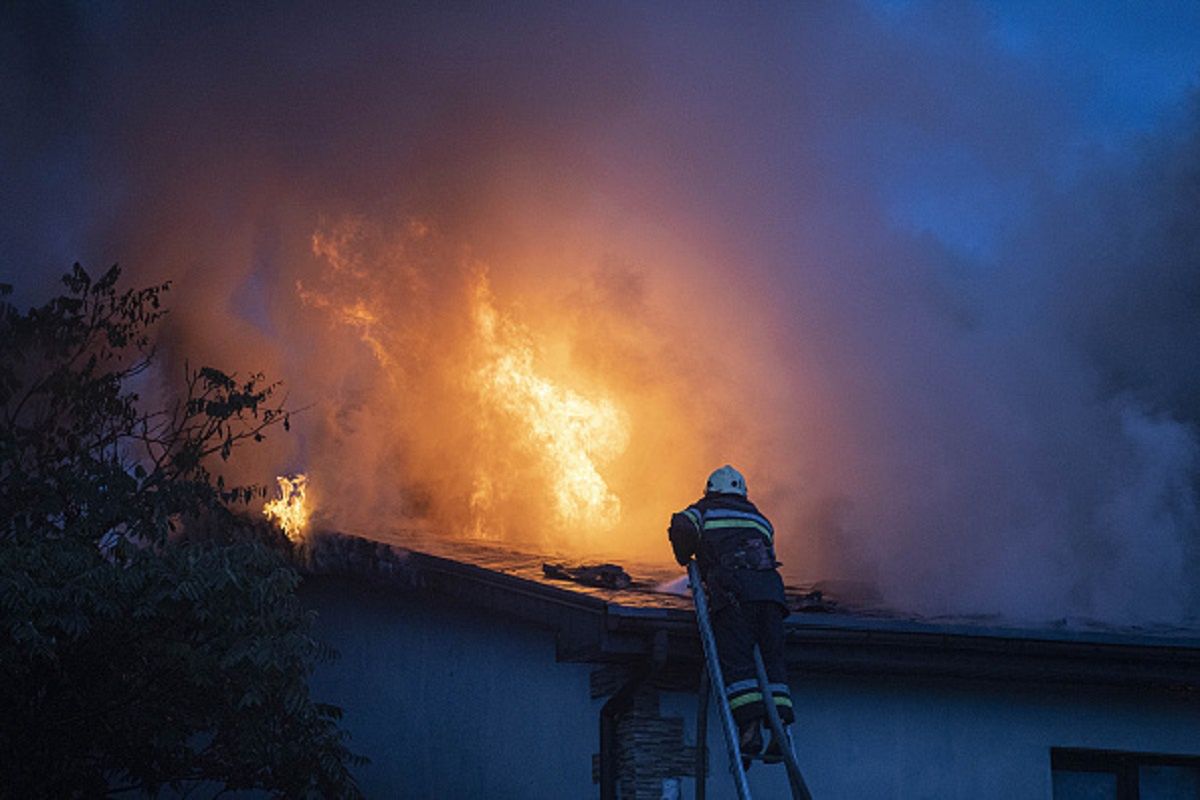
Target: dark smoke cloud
[(887, 257)]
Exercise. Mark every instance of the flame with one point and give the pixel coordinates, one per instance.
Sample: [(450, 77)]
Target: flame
[(483, 413), (357, 315), (292, 509), (571, 434)]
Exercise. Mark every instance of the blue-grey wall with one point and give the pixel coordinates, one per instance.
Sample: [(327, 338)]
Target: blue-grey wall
[(449, 702), (453, 703), (918, 739)]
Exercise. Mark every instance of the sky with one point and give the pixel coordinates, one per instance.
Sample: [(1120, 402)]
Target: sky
[(926, 271)]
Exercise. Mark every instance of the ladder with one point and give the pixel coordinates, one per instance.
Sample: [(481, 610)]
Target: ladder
[(711, 680)]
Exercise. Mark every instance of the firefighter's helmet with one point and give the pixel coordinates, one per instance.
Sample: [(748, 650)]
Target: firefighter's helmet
[(726, 480)]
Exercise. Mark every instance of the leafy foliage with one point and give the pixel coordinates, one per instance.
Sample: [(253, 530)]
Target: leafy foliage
[(134, 656)]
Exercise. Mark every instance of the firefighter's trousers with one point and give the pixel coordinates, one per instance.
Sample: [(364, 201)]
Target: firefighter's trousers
[(737, 628)]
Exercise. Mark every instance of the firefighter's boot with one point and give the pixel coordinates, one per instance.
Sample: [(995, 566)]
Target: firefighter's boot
[(750, 741), (774, 752)]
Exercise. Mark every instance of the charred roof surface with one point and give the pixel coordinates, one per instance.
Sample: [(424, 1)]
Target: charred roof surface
[(832, 628)]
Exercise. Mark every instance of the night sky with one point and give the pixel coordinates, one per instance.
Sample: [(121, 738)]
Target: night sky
[(930, 273)]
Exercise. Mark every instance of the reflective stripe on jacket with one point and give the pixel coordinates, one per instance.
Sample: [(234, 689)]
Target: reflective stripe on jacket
[(733, 543)]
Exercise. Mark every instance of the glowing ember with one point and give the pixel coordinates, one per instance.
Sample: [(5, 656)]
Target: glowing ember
[(572, 434), (291, 510)]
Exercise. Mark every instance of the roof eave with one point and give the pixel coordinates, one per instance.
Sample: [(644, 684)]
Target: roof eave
[(588, 629)]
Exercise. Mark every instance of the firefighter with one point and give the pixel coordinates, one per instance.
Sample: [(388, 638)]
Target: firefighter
[(733, 544)]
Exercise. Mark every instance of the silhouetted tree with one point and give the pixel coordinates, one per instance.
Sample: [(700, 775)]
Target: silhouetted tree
[(133, 657)]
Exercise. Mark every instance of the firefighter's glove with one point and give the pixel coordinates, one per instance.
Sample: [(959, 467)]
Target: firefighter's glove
[(684, 538)]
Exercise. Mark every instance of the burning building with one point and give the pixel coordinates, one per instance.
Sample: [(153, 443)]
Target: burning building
[(468, 671), (530, 274), (926, 272)]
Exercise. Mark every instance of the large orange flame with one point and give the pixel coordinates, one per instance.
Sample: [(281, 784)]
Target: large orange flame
[(502, 439), (572, 435)]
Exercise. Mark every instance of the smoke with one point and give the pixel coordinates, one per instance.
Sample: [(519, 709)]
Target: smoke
[(882, 258)]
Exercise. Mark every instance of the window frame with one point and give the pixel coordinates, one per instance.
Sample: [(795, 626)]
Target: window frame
[(1122, 763)]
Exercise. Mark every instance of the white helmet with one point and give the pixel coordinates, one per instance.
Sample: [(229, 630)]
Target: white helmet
[(726, 480)]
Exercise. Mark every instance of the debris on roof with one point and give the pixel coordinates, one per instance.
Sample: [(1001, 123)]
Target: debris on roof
[(602, 576), (809, 602), (855, 594)]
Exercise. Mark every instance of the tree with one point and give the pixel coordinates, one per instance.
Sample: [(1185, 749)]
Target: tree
[(136, 652)]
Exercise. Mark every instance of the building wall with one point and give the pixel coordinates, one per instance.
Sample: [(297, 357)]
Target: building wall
[(910, 739), (452, 703)]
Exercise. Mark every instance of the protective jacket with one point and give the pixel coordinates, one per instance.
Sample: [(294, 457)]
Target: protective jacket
[(734, 547)]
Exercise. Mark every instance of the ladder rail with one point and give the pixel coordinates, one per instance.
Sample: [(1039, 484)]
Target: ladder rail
[(795, 777), (702, 735), (717, 683)]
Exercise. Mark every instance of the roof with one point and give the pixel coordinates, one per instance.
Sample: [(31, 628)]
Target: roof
[(823, 633)]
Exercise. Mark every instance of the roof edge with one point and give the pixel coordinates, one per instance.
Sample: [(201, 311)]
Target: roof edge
[(589, 629)]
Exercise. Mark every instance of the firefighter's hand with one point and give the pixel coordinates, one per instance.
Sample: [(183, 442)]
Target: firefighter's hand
[(684, 538)]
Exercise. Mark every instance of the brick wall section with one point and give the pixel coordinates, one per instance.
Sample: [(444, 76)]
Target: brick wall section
[(651, 746)]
